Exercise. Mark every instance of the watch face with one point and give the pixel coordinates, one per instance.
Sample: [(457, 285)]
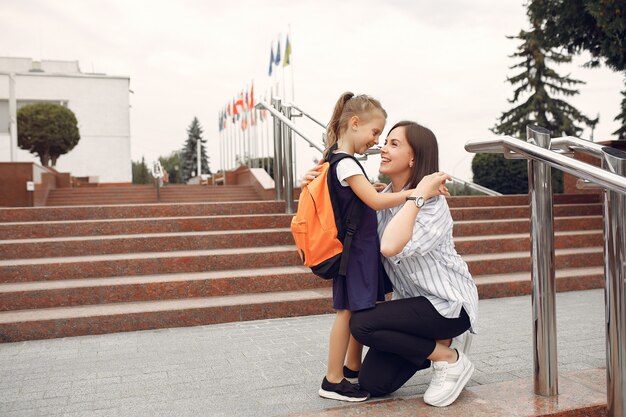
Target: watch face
[(419, 202)]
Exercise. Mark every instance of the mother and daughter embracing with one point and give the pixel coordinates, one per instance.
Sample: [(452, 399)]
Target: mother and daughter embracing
[(430, 319)]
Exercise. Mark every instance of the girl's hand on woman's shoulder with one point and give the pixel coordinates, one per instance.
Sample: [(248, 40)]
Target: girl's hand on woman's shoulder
[(380, 186), (432, 185)]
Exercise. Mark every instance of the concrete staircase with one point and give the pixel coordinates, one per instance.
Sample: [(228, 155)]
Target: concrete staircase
[(67, 271), (147, 194)]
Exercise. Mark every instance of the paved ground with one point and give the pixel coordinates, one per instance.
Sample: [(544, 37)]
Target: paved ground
[(259, 368)]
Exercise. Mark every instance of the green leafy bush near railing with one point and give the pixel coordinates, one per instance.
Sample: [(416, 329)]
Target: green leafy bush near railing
[(507, 176)]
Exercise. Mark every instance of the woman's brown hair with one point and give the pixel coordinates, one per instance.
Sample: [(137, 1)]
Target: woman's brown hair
[(346, 107), (425, 151)]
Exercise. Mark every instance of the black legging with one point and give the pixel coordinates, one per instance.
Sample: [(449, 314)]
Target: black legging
[(401, 334)]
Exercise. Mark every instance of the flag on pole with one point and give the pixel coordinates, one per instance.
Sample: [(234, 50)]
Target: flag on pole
[(238, 105), (244, 121), (287, 52), (251, 101), (271, 59), (277, 57)]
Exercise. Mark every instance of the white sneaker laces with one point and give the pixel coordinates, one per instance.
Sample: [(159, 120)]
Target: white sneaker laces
[(439, 373)]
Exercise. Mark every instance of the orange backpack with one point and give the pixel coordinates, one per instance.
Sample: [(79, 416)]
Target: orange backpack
[(323, 242)]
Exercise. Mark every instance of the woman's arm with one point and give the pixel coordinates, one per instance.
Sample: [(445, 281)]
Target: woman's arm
[(368, 194), (400, 229)]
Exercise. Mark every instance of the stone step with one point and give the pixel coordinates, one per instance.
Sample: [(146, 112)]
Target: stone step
[(67, 228), (141, 311), (522, 212), (131, 211), (171, 242), (63, 293), (51, 269), (91, 212), (47, 294), (233, 221), (134, 189), (120, 317), (138, 243), (43, 269), (519, 200), (470, 245), (148, 194), (511, 262), (508, 226), (519, 283), (147, 200)]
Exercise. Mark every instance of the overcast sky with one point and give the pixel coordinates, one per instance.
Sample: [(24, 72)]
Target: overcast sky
[(441, 63)]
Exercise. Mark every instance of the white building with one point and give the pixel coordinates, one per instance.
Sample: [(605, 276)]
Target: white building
[(100, 103)]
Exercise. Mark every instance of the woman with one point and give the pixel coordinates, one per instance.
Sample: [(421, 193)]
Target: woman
[(435, 298)]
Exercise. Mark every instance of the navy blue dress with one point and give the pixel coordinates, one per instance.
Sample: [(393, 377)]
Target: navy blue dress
[(365, 280)]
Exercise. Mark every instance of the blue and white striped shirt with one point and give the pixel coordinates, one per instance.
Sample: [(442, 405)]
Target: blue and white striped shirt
[(429, 265)]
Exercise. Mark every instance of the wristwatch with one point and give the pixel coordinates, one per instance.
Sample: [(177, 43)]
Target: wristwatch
[(419, 201)]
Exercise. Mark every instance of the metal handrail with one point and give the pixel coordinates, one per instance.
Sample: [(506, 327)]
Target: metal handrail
[(572, 143), (542, 152), (308, 115), (476, 187), (502, 144), (289, 123)]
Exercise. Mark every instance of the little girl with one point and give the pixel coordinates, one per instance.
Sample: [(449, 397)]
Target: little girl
[(356, 125)]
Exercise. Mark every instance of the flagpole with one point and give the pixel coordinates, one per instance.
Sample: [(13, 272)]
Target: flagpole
[(220, 141), (293, 100), (293, 91)]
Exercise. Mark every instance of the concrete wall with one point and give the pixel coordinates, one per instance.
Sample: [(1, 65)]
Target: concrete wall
[(15, 175), (101, 105)]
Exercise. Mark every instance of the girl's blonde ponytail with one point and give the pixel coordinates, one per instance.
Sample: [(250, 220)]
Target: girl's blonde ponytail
[(332, 131)]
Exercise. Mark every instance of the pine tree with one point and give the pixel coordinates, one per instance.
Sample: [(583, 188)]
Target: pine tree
[(535, 81), (621, 117), (539, 81), (189, 156), (141, 173), (595, 26)]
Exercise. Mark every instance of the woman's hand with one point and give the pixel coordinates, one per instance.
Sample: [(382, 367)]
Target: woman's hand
[(432, 185), (311, 174)]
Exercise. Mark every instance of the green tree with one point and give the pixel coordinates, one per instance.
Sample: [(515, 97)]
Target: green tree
[(534, 85), (506, 176), (172, 164), (189, 157), (47, 130), (141, 173), (621, 132), (595, 26)]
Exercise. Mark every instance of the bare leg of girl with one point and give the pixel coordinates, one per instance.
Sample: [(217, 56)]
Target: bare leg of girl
[(355, 354), (338, 346)]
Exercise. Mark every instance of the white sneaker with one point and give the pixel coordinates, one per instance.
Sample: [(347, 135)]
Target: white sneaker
[(448, 381), (463, 342)]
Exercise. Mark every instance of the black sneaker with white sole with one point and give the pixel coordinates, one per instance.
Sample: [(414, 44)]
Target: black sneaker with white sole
[(343, 391), (350, 375)]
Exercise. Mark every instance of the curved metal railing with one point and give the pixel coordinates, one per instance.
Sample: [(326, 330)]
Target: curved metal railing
[(543, 153)]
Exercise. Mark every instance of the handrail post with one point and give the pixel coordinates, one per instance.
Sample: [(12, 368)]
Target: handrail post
[(543, 276), (615, 286), (287, 160), (278, 153)]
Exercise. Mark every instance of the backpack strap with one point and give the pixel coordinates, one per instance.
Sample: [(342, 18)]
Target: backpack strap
[(354, 217)]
